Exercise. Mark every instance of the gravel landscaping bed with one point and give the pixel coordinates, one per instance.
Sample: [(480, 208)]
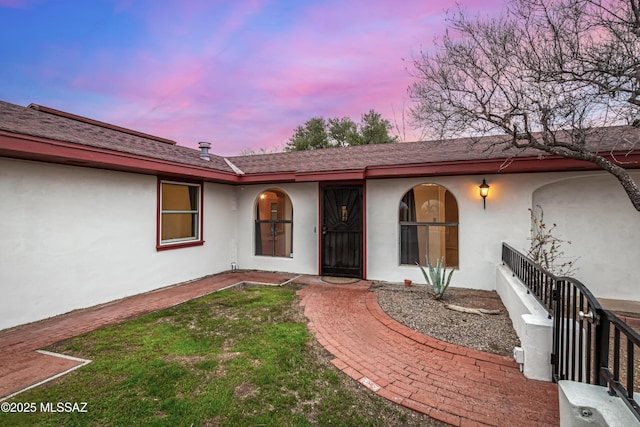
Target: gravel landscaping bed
[(415, 308)]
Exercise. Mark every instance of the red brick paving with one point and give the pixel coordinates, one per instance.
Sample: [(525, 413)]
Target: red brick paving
[(21, 366), (456, 385), (459, 386)]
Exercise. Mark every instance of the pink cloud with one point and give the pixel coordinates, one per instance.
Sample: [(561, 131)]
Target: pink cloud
[(331, 70), (202, 71)]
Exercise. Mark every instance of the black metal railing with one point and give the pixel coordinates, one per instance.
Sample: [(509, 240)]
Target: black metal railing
[(590, 344), (538, 281), (623, 363), (576, 355)]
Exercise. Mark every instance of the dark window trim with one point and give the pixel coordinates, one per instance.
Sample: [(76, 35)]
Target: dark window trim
[(427, 225), (273, 222)]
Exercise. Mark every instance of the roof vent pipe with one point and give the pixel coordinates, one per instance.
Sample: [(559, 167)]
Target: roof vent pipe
[(204, 150)]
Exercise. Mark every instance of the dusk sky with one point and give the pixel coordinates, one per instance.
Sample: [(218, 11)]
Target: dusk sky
[(239, 74)]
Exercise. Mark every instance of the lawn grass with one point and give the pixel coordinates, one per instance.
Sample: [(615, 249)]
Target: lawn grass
[(239, 357)]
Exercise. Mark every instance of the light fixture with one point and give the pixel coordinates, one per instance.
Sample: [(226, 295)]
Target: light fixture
[(484, 192)]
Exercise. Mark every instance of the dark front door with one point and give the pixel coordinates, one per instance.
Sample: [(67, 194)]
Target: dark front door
[(342, 231)]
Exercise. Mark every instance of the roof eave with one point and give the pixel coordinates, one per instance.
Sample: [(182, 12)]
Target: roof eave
[(531, 164), (27, 147), (267, 177), (324, 176)]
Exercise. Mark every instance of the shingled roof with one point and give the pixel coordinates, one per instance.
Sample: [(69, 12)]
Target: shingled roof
[(455, 156), (56, 125), (367, 156), (621, 140)]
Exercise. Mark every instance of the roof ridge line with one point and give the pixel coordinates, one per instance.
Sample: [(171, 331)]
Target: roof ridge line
[(234, 167), (87, 120)]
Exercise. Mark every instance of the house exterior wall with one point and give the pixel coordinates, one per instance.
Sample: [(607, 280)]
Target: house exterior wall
[(304, 199), (480, 231), (593, 212), (590, 208), (73, 237)]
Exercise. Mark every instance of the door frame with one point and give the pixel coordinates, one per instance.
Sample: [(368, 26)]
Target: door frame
[(352, 183)]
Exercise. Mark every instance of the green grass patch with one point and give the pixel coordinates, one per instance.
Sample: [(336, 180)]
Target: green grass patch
[(234, 358)]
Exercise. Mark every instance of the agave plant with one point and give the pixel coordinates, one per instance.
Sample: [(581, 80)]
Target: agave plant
[(437, 277)]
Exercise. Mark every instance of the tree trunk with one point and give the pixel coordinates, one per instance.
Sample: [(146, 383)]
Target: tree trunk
[(622, 175)]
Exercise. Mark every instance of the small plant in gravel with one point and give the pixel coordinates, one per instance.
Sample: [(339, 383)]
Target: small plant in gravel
[(437, 277)]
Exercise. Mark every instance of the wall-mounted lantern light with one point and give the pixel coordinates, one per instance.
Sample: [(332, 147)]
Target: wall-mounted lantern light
[(484, 192)]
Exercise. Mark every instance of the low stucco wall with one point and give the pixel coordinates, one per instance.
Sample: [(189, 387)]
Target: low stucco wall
[(530, 322), (73, 237)]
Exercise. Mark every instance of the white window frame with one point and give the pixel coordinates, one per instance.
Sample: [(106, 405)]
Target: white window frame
[(198, 212)]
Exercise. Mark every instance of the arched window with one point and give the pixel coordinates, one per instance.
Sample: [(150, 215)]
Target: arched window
[(274, 224), (428, 226)]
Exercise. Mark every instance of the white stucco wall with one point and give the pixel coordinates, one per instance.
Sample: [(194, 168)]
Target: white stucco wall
[(304, 199), (590, 209), (480, 231), (74, 237), (593, 212), (531, 323)]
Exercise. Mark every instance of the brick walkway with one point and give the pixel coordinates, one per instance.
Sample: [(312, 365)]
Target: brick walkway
[(22, 367), (457, 385), (453, 384)]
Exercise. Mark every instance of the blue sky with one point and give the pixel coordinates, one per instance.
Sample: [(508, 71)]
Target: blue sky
[(239, 74)]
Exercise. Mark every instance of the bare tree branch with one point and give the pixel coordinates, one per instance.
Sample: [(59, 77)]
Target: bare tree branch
[(547, 74)]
